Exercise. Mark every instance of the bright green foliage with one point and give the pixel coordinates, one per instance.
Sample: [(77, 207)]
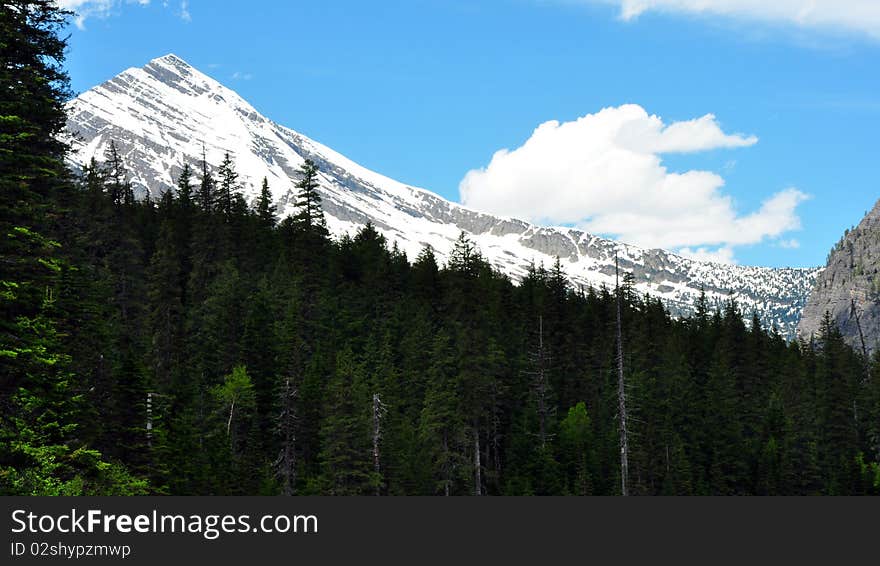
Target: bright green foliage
[(236, 396), (577, 450)]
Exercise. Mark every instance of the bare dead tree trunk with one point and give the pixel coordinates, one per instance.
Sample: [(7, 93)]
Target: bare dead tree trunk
[(621, 389), (378, 412), (496, 433), (150, 423), (149, 419), (447, 473), (231, 412), (286, 463), (542, 386), (478, 481), (124, 297), (202, 414)]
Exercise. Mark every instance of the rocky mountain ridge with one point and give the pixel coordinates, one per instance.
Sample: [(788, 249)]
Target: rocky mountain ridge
[(849, 288)]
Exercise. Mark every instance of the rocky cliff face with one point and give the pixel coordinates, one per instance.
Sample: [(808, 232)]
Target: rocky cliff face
[(849, 287), (167, 113)]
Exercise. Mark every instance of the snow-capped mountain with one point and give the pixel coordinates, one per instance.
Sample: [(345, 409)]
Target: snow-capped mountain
[(165, 114)]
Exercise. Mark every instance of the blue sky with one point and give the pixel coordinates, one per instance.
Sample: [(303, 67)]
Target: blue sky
[(426, 91)]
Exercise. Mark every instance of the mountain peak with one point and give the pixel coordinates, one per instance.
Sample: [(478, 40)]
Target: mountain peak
[(173, 62), (173, 71), (170, 58)]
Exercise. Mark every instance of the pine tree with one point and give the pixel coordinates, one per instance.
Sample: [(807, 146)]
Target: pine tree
[(116, 177), (41, 450), (441, 426), (265, 208), (166, 302), (228, 188), (35, 86), (259, 352), (465, 258), (207, 199), (35, 390), (185, 188), (309, 217), (836, 368), (345, 431)]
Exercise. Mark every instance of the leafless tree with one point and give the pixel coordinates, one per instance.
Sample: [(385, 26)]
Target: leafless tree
[(378, 415), (539, 359), (478, 480), (621, 387), (285, 465)]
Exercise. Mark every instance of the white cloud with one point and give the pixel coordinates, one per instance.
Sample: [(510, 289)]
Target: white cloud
[(651, 136), (240, 76), (603, 173), (860, 16), (85, 9)]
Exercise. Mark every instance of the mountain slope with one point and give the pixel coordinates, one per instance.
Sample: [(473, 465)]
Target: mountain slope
[(849, 287), (167, 113)]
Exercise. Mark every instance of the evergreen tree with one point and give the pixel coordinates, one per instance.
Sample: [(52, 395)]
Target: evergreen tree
[(309, 217), (266, 209), (441, 428), (166, 304), (207, 198), (835, 372), (185, 189), (41, 450), (116, 177), (35, 87), (228, 188), (345, 430)]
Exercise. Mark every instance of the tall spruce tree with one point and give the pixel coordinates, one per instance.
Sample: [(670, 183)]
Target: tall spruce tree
[(345, 430), (266, 209), (41, 450), (442, 430), (228, 187), (309, 216), (207, 197)]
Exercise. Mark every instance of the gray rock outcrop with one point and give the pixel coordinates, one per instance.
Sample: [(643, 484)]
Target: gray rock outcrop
[(849, 287)]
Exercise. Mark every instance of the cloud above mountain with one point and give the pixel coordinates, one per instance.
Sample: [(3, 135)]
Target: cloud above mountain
[(85, 9), (859, 16), (604, 173)]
